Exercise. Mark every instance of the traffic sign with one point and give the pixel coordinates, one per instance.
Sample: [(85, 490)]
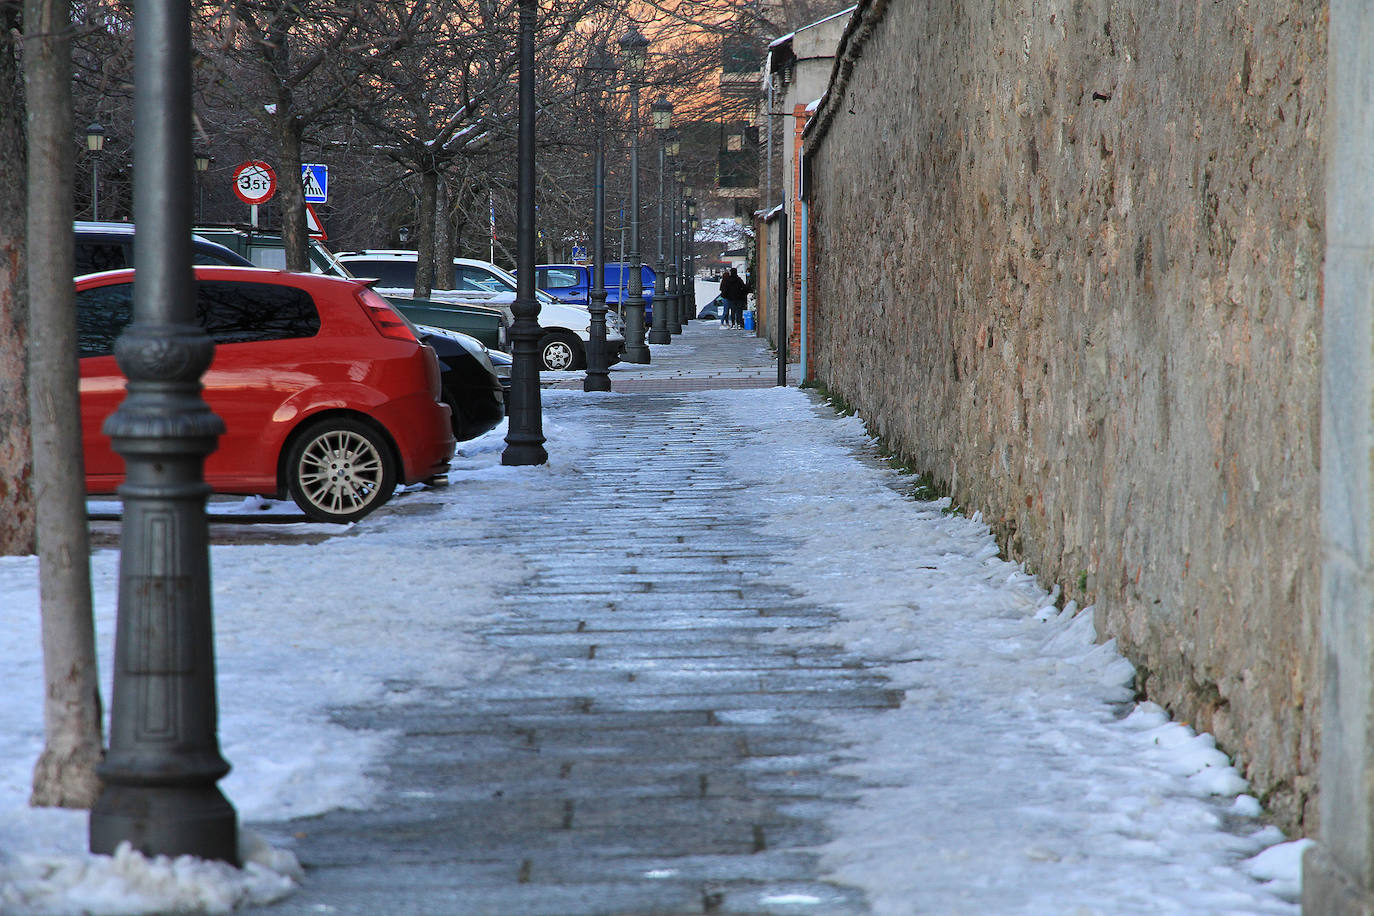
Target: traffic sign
[(315, 182), (313, 227), (255, 182)]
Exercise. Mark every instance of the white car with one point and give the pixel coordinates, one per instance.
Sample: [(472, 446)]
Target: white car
[(565, 329)]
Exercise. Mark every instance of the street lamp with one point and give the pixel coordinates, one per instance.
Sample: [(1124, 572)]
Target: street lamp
[(95, 143), (635, 51), (159, 774), (663, 121), (598, 378), (525, 430), (202, 166), (676, 320), (689, 251)]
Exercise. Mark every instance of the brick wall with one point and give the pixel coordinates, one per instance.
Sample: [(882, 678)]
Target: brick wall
[(1067, 259)]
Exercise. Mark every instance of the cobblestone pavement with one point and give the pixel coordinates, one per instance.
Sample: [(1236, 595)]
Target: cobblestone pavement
[(657, 755)]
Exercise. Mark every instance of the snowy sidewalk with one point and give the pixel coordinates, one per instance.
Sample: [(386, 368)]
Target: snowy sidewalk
[(710, 659)]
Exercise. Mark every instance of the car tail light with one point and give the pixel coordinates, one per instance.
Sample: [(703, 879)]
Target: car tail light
[(387, 320)]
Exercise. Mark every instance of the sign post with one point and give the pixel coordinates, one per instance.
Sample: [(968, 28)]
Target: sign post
[(255, 182)]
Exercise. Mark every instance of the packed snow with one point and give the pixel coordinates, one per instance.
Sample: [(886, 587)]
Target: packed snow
[(1018, 776)]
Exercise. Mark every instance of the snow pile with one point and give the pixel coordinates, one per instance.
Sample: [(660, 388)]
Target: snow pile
[(129, 883), (1018, 775)]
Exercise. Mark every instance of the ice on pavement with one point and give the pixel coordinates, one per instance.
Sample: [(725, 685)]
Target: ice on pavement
[(1018, 775)]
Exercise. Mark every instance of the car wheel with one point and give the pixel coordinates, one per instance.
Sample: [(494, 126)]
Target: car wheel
[(339, 470), (559, 352)]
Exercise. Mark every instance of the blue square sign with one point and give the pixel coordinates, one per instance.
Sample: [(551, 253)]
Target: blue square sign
[(315, 180)]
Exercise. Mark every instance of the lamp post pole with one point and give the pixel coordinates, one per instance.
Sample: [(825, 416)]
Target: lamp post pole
[(663, 121), (635, 47), (689, 247), (202, 166), (163, 762), (95, 143), (598, 377), (675, 316), (525, 433)]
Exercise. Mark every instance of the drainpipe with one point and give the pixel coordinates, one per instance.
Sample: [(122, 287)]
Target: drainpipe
[(805, 329)]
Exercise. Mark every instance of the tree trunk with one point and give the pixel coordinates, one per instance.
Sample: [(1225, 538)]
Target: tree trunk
[(424, 227), (17, 519), (443, 238), (291, 191), (65, 773)]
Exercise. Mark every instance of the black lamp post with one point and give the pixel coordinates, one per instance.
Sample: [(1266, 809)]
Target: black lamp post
[(163, 763), (202, 166), (634, 47), (662, 111), (597, 68), (675, 317), (95, 144), (525, 433), (689, 250)]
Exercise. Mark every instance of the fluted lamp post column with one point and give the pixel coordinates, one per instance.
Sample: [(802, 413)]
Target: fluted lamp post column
[(95, 144), (663, 121), (525, 430), (689, 246), (676, 319), (635, 51), (160, 772), (597, 71)]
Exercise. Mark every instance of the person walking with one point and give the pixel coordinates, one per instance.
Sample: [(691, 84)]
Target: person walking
[(734, 291)]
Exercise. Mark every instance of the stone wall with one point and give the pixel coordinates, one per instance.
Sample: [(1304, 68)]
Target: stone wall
[(1067, 260)]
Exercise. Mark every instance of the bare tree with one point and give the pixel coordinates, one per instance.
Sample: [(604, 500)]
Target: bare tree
[(65, 774), (276, 61), (16, 457)]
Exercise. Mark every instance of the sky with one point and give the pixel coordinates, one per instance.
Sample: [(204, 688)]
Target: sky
[(1018, 776)]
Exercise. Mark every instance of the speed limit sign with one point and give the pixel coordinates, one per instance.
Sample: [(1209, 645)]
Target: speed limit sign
[(255, 182)]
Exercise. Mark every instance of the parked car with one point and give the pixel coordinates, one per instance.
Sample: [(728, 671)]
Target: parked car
[(326, 393), (468, 381), (573, 283), (564, 329), (485, 322), (268, 249), (110, 246)]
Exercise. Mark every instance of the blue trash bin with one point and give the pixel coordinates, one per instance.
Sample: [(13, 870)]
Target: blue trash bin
[(749, 319)]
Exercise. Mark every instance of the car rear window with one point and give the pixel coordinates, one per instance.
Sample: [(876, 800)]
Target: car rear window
[(245, 312), (229, 313), (389, 274)]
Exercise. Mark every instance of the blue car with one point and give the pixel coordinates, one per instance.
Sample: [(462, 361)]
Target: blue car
[(573, 283)]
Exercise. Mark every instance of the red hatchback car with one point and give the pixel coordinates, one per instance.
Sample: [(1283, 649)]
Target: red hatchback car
[(325, 392)]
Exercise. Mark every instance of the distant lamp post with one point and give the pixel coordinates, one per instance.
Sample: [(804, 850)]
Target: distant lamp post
[(663, 121), (676, 320), (95, 144), (635, 53), (525, 431), (202, 166), (597, 71), (689, 250)]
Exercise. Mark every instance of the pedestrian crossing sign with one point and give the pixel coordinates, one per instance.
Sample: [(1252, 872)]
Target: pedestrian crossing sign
[(315, 181)]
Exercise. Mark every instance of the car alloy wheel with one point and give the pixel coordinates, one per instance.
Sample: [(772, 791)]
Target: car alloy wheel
[(339, 470), (557, 353)]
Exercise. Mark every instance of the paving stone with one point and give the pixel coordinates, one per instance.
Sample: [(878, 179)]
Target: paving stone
[(660, 752)]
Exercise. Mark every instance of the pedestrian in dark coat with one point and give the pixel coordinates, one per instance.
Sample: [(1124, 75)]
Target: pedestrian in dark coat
[(734, 291)]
